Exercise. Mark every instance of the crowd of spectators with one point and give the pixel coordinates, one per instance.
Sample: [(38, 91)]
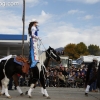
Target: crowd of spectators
[(66, 77), (62, 77)]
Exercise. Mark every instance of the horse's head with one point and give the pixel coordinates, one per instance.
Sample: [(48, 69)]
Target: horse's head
[(51, 53)]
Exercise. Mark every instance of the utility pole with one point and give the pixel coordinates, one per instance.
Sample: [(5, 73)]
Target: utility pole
[(23, 20)]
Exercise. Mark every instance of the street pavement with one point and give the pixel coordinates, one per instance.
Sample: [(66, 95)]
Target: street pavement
[(55, 94)]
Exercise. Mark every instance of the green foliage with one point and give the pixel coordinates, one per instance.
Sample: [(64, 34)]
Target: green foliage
[(70, 50), (74, 51), (94, 50), (81, 49)]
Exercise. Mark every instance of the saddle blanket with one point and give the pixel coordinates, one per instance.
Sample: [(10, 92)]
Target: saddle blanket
[(20, 63)]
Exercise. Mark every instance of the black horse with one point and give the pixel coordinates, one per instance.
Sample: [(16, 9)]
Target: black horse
[(93, 75), (10, 68), (98, 77)]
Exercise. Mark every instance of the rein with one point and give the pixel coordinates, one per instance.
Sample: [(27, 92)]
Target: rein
[(47, 52)]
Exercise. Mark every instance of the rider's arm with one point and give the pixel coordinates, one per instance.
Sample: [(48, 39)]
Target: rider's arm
[(33, 33)]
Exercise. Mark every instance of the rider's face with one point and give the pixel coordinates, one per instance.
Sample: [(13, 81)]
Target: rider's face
[(36, 24)]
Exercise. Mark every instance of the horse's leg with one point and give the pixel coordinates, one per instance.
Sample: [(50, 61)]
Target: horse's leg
[(34, 76), (31, 88), (15, 78), (3, 90), (5, 82), (43, 90), (88, 86)]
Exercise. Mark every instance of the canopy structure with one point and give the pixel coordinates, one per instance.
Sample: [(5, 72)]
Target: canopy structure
[(12, 44)]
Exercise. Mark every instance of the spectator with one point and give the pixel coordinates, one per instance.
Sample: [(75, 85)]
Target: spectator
[(61, 79), (21, 81), (78, 82), (55, 79), (62, 52), (47, 79), (51, 78)]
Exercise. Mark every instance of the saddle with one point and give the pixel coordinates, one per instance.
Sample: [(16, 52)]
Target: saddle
[(23, 61)]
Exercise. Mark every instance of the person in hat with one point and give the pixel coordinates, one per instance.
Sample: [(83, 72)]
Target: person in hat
[(33, 35), (91, 75)]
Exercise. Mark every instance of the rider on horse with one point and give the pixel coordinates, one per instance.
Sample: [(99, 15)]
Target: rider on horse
[(33, 34)]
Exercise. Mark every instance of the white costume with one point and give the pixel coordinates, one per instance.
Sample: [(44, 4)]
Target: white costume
[(34, 45), (35, 42)]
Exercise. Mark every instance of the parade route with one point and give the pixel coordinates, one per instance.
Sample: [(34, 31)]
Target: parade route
[(55, 94)]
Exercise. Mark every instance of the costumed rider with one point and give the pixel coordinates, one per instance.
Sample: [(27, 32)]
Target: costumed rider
[(91, 75), (33, 35)]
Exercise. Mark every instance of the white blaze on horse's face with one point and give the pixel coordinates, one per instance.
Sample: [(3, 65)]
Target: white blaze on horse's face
[(51, 52)]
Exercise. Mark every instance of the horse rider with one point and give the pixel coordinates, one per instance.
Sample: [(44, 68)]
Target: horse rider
[(91, 74), (33, 35)]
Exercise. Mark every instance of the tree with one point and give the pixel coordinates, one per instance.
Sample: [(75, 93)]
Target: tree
[(74, 51), (70, 51), (94, 50), (81, 49)]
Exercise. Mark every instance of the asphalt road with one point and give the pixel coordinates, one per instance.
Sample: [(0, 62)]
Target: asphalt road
[(55, 94)]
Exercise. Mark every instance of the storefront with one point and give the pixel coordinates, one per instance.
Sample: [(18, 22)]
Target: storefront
[(12, 44)]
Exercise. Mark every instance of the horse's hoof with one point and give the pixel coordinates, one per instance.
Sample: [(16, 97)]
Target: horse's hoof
[(26, 92), (44, 95), (48, 98), (86, 94), (9, 97), (21, 94), (30, 96)]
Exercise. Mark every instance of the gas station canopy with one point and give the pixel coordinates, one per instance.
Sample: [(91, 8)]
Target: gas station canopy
[(12, 44)]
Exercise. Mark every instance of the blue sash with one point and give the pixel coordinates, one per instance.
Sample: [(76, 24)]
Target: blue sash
[(31, 54)]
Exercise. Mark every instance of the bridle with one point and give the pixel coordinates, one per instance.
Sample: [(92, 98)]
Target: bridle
[(50, 52)]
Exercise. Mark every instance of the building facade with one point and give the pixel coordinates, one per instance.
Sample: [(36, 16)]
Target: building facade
[(12, 44)]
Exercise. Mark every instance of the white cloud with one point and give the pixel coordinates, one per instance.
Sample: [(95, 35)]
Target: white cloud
[(88, 17), (74, 11), (85, 1), (11, 23), (45, 3), (42, 18), (64, 34)]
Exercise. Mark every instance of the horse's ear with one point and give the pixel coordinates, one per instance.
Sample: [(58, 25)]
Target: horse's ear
[(49, 47)]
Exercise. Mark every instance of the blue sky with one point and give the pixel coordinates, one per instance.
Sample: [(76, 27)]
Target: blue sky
[(60, 21)]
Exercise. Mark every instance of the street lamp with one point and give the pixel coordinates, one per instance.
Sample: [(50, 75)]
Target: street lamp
[(23, 20)]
